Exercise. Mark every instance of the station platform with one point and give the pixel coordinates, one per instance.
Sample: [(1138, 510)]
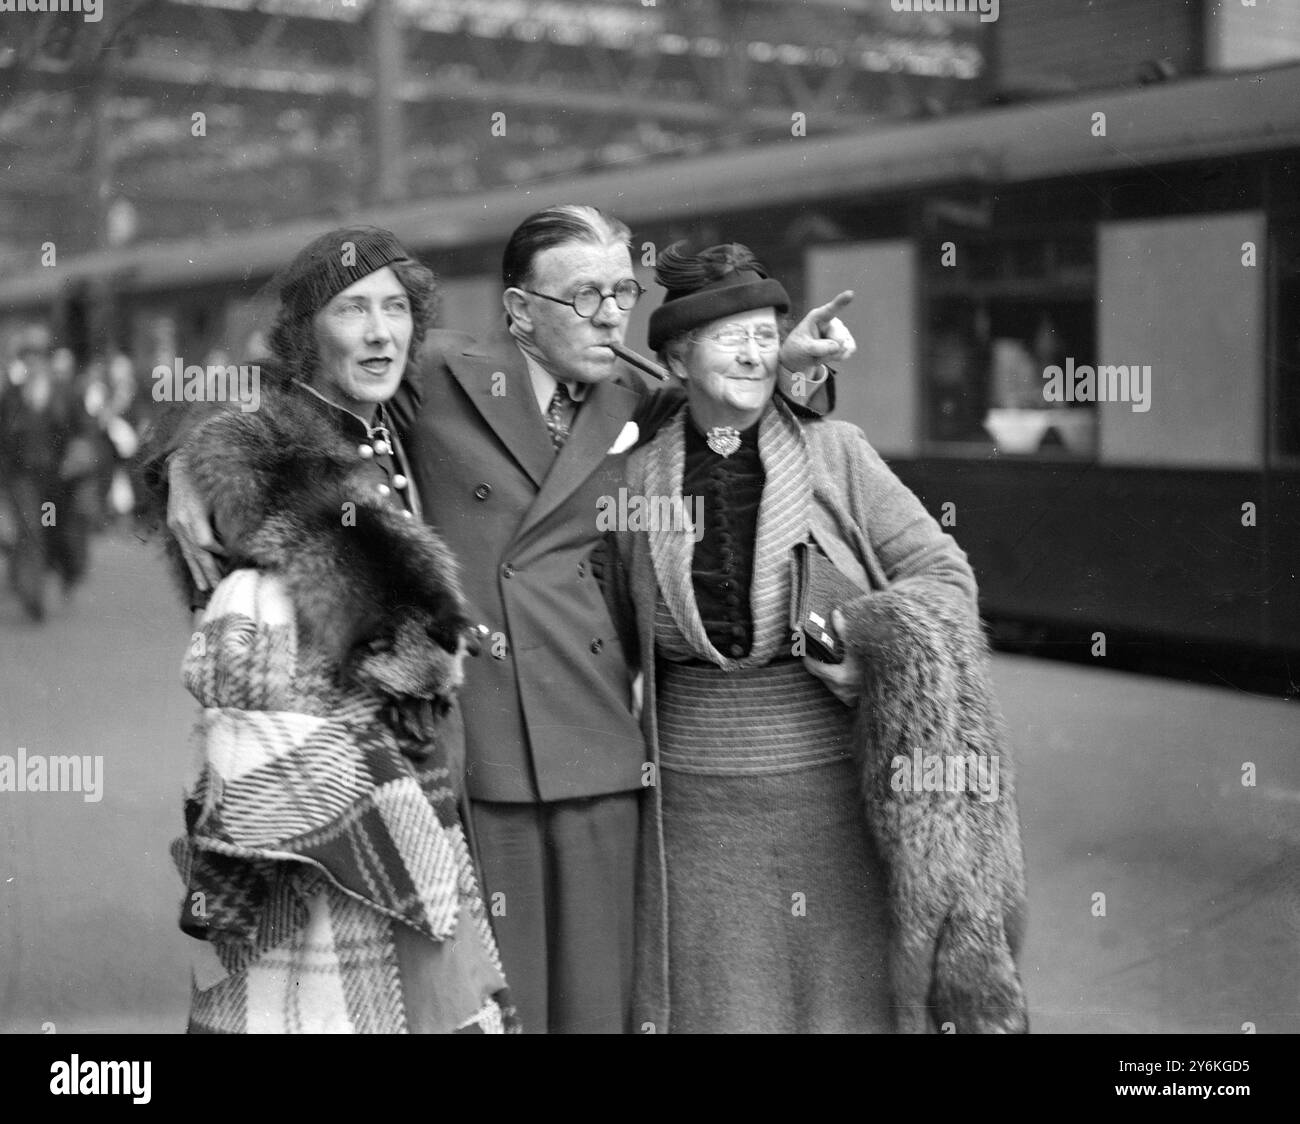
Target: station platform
[(1130, 787)]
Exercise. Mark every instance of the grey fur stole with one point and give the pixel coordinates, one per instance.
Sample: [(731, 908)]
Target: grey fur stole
[(955, 866)]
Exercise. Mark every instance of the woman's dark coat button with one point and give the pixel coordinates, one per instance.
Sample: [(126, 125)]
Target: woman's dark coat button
[(482, 491)]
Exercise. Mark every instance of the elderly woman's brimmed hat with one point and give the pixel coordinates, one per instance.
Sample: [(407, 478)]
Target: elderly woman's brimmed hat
[(716, 282)]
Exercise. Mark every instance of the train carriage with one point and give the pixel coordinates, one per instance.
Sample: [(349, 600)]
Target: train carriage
[(1148, 519)]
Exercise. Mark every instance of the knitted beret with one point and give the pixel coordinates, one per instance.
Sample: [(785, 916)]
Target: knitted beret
[(328, 265), (716, 282)]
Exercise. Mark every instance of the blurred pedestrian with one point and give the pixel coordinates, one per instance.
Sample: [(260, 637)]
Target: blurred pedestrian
[(48, 458), (108, 392)]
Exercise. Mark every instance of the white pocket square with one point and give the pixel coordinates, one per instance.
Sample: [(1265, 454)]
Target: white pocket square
[(626, 440)]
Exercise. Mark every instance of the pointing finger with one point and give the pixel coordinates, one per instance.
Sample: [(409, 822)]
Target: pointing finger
[(825, 313)]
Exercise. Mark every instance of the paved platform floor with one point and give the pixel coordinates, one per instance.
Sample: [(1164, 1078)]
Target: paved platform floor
[(1130, 787)]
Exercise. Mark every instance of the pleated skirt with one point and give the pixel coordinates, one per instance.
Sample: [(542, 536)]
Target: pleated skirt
[(776, 895)]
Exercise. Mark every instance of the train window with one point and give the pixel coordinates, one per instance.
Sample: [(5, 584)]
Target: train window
[(998, 323)]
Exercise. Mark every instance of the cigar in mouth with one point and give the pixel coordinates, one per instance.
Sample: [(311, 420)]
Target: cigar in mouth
[(640, 362)]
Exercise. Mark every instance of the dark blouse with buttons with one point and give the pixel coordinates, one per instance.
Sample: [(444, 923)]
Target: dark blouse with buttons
[(722, 567), (381, 463)]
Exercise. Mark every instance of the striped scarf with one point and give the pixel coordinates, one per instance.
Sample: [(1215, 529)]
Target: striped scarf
[(782, 522)]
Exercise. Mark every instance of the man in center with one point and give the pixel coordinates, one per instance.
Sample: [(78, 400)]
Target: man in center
[(509, 437)]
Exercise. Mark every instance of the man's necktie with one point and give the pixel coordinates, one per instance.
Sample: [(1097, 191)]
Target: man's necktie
[(559, 416)]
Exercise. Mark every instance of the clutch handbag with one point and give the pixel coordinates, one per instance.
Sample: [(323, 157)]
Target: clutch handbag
[(817, 588)]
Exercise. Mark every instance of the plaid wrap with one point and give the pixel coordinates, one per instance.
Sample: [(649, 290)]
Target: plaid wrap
[(310, 836)]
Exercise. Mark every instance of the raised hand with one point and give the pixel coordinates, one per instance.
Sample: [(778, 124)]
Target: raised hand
[(820, 337)]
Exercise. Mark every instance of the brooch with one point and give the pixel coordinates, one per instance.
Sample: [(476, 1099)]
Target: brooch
[(723, 439)]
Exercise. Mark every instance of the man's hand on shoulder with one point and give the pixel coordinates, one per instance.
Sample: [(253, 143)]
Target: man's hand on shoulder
[(189, 519)]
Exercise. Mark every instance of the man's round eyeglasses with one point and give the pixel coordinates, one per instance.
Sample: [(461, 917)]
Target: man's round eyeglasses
[(735, 337), (587, 300)]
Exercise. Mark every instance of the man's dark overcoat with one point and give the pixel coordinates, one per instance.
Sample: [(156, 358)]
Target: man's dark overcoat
[(547, 705)]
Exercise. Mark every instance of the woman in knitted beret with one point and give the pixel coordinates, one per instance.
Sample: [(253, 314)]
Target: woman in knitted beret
[(789, 881), (328, 872)]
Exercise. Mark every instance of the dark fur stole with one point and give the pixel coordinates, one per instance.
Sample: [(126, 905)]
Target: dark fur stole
[(377, 595)]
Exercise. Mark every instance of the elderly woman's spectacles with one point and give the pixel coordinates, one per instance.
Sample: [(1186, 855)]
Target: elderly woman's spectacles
[(735, 337), (587, 300)]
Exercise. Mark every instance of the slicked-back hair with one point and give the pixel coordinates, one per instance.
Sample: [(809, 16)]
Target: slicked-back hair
[(556, 226)]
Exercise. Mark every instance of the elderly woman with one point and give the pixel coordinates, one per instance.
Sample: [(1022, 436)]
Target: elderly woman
[(789, 882), (327, 868)]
